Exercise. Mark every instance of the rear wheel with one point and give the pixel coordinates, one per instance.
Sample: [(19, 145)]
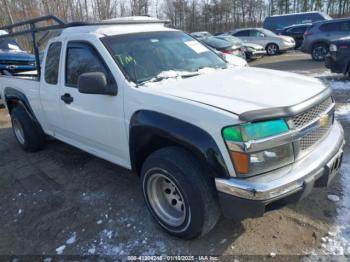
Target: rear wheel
[(319, 52), (26, 132), (178, 193), (272, 49)]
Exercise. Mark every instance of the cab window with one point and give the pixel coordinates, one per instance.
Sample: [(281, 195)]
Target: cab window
[(83, 58), (52, 63)]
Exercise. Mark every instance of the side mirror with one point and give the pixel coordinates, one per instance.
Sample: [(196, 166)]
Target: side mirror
[(96, 83)]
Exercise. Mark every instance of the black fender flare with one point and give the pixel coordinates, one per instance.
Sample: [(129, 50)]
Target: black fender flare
[(148, 128), (12, 95)]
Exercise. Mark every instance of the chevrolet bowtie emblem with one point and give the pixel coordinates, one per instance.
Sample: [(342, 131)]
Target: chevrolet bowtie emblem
[(324, 121)]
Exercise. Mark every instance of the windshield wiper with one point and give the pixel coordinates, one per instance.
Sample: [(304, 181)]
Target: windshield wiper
[(164, 75)]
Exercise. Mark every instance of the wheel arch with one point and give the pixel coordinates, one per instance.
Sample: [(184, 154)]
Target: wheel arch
[(272, 43), (14, 98), (150, 131), (319, 41)]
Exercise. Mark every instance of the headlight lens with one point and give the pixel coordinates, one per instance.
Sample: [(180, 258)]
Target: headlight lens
[(248, 164), (254, 131), (333, 48)]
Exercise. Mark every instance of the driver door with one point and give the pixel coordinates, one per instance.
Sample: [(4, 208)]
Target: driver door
[(257, 37), (93, 122)]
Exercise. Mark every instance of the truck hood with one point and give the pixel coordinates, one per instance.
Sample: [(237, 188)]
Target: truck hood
[(242, 89)]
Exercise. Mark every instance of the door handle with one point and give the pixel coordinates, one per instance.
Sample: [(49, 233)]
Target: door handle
[(67, 98)]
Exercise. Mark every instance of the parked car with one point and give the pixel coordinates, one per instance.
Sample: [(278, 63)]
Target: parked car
[(277, 23), (221, 45), (338, 58), (319, 36), (13, 58), (230, 59), (205, 138), (272, 43), (251, 51), (201, 34), (297, 32)]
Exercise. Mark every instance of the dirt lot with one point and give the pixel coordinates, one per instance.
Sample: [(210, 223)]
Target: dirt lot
[(62, 200)]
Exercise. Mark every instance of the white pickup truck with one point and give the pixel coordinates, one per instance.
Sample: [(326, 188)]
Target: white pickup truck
[(204, 137)]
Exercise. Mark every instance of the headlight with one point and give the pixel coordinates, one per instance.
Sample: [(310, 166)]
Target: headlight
[(333, 48), (253, 163)]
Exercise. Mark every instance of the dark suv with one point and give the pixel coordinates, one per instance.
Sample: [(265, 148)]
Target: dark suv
[(297, 32), (319, 36), (338, 58)]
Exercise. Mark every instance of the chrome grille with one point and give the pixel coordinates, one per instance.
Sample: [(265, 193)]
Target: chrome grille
[(307, 117), (312, 138)]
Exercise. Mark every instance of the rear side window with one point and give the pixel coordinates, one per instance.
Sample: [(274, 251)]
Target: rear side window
[(83, 58), (345, 26), (331, 27), (242, 33), (298, 30), (52, 63), (256, 33)]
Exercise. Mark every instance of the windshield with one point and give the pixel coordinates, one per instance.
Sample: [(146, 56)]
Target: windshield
[(143, 56), (9, 44)]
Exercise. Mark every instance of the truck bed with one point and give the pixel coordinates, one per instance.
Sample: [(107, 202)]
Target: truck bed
[(28, 85)]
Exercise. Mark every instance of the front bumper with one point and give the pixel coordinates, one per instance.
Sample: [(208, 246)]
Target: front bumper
[(255, 54), (252, 197), (286, 46), (335, 64)]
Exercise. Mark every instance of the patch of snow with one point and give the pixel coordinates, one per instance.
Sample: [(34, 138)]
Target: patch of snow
[(72, 239), (272, 254), (92, 250), (20, 211), (223, 241), (60, 249), (109, 234), (99, 222), (333, 198), (342, 109), (339, 85)]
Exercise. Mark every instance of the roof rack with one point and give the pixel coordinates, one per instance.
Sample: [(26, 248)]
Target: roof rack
[(57, 23), (34, 28)]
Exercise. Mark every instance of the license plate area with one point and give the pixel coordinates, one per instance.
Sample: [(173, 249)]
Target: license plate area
[(331, 169)]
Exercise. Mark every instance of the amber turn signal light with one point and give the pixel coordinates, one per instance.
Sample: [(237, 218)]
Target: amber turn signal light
[(241, 161)]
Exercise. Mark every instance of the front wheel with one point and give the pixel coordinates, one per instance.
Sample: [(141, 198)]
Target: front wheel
[(178, 193), (272, 49), (319, 52)]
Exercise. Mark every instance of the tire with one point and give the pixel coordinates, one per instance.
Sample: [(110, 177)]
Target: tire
[(26, 132), (272, 49), (319, 52), (179, 194)]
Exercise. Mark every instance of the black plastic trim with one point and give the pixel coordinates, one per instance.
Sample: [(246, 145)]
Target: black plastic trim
[(11, 94), (147, 127), (285, 112)]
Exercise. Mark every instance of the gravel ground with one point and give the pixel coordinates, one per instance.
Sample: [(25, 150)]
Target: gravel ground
[(65, 201)]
